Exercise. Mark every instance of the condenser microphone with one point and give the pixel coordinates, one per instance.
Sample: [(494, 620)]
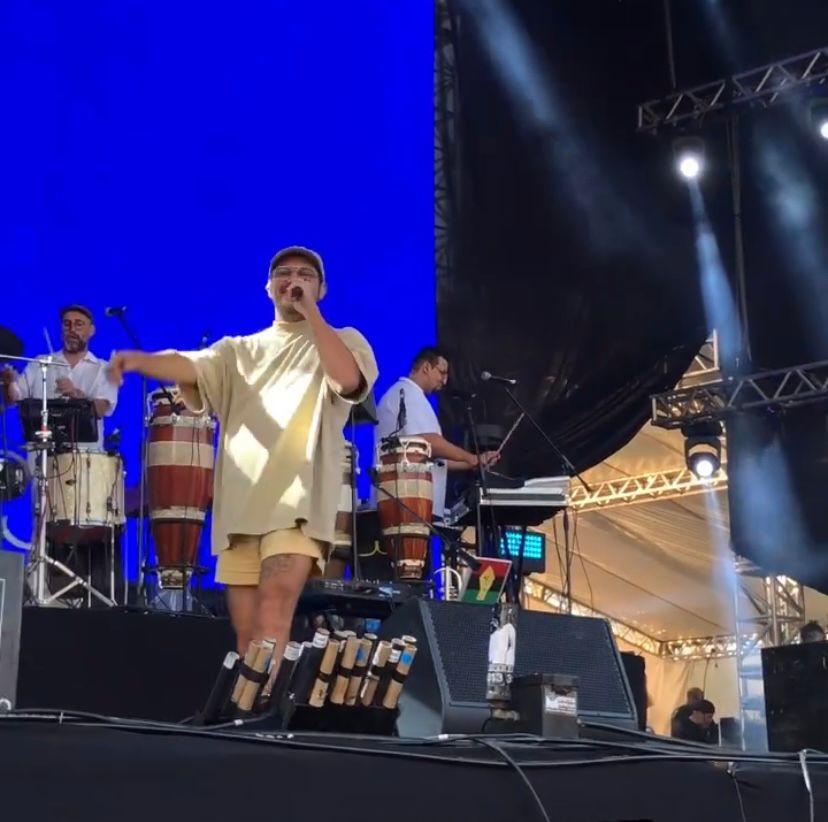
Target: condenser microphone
[(486, 376), (402, 416), (115, 310)]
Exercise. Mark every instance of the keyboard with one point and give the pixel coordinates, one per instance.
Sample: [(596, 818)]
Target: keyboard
[(530, 504)]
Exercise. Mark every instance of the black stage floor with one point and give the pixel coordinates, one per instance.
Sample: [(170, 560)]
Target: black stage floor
[(158, 668), (90, 771)]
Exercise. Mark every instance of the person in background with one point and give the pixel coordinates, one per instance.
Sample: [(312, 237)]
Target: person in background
[(699, 725), (428, 375), (681, 714), (81, 376), (812, 632)]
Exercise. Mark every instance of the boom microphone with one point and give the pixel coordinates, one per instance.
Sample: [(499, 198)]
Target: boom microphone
[(489, 377), (115, 310)]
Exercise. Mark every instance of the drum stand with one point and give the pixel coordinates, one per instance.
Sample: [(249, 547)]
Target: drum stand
[(39, 560), (178, 596)]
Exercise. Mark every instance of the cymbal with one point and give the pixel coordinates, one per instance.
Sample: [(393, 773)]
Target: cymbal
[(10, 344)]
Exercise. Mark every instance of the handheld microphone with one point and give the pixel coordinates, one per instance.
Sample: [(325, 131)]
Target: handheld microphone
[(115, 310), (296, 293), (486, 376)]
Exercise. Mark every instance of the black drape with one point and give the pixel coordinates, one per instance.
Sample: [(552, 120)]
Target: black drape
[(572, 262)]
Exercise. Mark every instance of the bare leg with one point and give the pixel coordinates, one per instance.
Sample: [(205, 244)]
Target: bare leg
[(282, 578), (243, 604)]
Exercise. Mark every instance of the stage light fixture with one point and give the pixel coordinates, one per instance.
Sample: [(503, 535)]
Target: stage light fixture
[(703, 448), (819, 116), (688, 154)]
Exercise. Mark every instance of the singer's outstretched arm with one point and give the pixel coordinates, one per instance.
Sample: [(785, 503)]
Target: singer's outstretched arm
[(166, 366)]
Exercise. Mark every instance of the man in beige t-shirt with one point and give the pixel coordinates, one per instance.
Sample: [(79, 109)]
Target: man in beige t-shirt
[(282, 398)]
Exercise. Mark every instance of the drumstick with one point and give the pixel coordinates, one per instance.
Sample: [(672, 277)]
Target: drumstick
[(323, 678), (397, 647), (398, 677), (346, 666), (512, 430)]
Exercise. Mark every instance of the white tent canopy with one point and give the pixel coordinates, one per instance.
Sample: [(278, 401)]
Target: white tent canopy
[(661, 566)]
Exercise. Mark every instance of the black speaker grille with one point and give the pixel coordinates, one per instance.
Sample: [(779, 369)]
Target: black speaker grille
[(546, 643)]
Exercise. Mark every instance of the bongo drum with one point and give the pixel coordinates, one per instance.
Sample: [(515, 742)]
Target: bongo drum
[(405, 471), (180, 462)]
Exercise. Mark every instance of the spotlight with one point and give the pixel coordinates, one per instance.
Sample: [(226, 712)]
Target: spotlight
[(819, 116), (703, 448), (688, 153), (689, 166)]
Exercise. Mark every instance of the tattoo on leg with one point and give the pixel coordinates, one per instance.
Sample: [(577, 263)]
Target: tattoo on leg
[(278, 564)]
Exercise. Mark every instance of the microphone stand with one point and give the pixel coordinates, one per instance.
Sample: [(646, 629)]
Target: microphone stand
[(549, 441), (481, 482), (561, 456), (142, 485)]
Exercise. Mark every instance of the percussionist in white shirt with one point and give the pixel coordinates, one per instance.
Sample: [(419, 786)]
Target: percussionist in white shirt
[(429, 374), (83, 378)]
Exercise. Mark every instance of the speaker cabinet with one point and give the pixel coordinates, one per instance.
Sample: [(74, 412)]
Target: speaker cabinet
[(796, 710), (446, 689)]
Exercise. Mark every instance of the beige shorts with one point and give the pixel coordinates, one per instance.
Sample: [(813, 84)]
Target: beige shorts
[(240, 563)]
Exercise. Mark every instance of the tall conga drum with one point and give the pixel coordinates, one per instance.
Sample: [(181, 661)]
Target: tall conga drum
[(180, 463), (405, 471)]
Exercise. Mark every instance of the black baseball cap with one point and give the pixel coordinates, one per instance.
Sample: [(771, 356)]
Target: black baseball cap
[(81, 309)]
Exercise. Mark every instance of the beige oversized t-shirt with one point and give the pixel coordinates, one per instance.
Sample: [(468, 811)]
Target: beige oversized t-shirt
[(281, 445)]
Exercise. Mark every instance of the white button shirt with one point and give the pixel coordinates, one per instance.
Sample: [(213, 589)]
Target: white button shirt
[(420, 419), (88, 375)]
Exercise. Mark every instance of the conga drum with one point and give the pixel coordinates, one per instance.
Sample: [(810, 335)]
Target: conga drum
[(405, 471), (180, 462), (344, 528)]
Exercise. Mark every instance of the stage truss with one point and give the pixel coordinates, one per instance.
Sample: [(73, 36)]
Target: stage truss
[(782, 388), (770, 610), (656, 485), (444, 142), (762, 86)]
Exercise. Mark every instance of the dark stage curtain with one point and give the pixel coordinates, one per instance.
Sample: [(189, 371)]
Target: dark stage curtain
[(571, 257)]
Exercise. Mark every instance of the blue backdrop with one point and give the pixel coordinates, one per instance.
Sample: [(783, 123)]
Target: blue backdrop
[(156, 154)]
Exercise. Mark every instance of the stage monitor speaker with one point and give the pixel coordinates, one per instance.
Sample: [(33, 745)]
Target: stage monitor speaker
[(120, 661), (446, 689), (11, 604), (796, 710)]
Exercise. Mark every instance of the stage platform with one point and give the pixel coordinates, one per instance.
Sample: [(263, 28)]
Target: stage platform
[(81, 763), (54, 767)]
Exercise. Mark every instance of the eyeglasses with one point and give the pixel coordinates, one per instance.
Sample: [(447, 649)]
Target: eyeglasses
[(75, 323), (304, 273)]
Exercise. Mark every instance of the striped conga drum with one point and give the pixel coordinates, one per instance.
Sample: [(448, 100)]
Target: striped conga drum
[(180, 462), (405, 471)]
